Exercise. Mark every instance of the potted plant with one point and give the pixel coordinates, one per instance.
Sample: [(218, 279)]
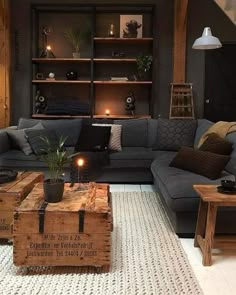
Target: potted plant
[(55, 157), (75, 37), (144, 64)]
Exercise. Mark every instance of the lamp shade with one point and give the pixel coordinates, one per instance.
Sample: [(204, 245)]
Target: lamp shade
[(207, 41)]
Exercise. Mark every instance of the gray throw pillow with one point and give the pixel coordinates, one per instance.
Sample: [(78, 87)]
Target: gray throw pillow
[(36, 142), (172, 134), (19, 139)]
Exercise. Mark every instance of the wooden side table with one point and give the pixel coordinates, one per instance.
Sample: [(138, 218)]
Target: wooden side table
[(205, 238)]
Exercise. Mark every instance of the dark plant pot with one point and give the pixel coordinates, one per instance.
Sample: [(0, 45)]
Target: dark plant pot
[(53, 191)]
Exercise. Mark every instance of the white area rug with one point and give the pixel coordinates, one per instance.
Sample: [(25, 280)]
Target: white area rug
[(147, 259)]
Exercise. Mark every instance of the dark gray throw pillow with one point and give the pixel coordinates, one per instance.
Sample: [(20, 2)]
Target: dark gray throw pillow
[(200, 162), (93, 138), (172, 134), (37, 144)]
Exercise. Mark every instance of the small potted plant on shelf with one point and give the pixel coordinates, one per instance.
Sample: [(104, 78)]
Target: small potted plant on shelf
[(75, 36), (55, 157), (144, 64)]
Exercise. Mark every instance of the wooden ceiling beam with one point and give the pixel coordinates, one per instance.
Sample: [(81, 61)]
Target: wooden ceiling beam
[(179, 50)]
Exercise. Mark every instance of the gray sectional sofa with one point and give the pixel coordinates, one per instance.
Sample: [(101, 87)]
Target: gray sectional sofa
[(140, 161)]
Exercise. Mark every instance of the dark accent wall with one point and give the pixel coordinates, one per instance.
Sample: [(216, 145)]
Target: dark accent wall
[(201, 13)]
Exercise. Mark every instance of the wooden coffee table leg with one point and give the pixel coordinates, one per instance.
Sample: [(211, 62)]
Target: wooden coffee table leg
[(209, 235), (201, 222)]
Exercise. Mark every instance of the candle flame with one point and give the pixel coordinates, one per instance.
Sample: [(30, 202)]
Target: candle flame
[(80, 162), (107, 112), (48, 47)]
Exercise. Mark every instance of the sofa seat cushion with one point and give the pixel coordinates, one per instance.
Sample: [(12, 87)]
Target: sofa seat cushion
[(176, 185), (133, 153), (17, 159)]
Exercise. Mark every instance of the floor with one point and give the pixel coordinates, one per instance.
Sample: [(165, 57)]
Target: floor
[(218, 279)]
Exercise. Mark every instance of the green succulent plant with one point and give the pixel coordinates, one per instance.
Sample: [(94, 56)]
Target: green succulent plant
[(144, 64)]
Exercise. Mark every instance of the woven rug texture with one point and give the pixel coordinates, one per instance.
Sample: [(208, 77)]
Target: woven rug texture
[(147, 259)]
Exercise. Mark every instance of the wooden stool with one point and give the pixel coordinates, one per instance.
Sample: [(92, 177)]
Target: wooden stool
[(205, 238)]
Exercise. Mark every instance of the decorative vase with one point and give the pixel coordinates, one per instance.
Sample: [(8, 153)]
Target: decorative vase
[(53, 191), (76, 54), (71, 75)]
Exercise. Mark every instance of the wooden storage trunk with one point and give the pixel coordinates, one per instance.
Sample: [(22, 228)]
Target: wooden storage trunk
[(75, 231), (11, 195)]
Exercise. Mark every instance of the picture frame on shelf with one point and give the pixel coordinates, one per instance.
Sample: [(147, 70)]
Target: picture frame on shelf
[(131, 26)]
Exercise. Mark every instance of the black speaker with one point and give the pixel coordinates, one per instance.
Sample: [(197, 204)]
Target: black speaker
[(130, 103), (40, 103)]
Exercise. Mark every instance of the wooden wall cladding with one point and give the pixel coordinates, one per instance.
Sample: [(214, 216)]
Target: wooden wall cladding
[(4, 63)]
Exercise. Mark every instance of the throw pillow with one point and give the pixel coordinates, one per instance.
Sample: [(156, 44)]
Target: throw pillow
[(37, 144), (115, 137), (19, 139), (93, 138), (172, 134), (216, 144), (200, 162)]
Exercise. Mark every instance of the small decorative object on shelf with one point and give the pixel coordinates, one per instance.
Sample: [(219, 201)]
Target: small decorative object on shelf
[(39, 76), (47, 50), (71, 75), (51, 76), (47, 53), (111, 31), (130, 103), (40, 103), (118, 53), (131, 26), (107, 112)]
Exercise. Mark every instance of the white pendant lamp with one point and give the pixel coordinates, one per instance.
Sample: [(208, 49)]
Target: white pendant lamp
[(207, 41)]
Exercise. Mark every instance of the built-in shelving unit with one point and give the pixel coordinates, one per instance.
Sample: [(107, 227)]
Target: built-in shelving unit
[(99, 61)]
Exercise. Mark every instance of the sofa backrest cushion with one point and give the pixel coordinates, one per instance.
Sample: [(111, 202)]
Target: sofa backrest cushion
[(152, 132), (172, 134), (202, 126), (134, 132), (69, 128)]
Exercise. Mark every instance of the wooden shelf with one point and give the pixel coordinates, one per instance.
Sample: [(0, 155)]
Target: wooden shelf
[(122, 40), (58, 116), (114, 59), (121, 116), (44, 116), (121, 82), (59, 59), (61, 81)]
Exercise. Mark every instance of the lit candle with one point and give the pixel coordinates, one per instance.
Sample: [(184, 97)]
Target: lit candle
[(107, 112), (49, 47)]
